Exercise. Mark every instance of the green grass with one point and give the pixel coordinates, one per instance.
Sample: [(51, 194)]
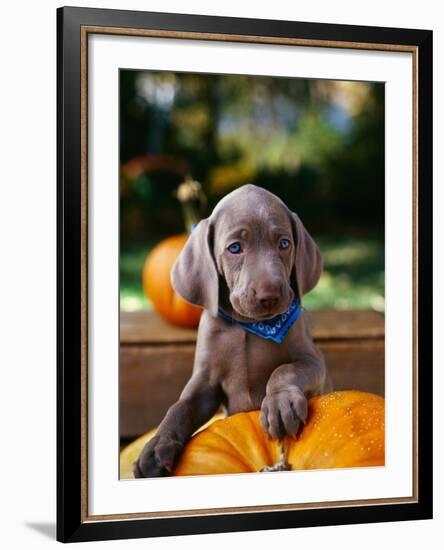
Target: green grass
[(132, 258), (353, 276)]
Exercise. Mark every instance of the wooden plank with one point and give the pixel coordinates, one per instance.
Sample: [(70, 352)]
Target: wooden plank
[(333, 324), (152, 378), (358, 365), (146, 327)]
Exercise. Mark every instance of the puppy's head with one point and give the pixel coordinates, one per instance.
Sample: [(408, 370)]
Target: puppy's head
[(250, 257)]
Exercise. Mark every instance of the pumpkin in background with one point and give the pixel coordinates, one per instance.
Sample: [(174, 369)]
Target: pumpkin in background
[(156, 280), (344, 429), (157, 284)]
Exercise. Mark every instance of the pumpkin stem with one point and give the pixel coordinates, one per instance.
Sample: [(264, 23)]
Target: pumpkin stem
[(193, 200), (281, 464)]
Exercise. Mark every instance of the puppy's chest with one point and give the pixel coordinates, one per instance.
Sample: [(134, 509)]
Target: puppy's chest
[(248, 365)]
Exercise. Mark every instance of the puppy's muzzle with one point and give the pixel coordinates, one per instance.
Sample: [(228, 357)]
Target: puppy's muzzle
[(267, 295)]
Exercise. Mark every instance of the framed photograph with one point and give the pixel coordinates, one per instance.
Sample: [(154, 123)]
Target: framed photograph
[(244, 274)]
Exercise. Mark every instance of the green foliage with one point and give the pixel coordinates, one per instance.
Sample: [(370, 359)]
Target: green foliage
[(323, 139)]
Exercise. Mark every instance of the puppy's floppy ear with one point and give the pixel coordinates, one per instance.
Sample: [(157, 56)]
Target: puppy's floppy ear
[(308, 262), (194, 275)]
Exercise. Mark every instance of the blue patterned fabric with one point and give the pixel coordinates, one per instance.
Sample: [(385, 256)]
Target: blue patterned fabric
[(272, 329)]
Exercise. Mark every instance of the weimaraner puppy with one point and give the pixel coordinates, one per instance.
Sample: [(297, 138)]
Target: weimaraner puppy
[(248, 265)]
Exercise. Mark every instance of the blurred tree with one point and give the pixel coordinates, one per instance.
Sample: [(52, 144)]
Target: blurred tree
[(318, 144)]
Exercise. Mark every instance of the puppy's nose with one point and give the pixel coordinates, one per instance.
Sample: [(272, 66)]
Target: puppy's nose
[(268, 295)]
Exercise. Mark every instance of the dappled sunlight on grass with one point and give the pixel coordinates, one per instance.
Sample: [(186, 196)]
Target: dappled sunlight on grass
[(343, 293), (132, 258), (353, 275), (133, 300)]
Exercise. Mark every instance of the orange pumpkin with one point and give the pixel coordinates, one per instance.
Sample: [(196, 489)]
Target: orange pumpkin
[(157, 284), (344, 429)]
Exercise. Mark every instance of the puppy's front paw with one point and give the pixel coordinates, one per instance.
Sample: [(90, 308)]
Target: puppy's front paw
[(282, 412), (157, 458)]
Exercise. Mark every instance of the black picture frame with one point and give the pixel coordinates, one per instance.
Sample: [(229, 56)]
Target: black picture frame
[(72, 522)]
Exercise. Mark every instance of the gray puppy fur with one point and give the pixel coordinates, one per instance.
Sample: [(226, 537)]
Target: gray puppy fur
[(233, 368)]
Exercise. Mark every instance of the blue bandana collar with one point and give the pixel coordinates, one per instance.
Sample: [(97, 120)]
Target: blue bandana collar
[(272, 329)]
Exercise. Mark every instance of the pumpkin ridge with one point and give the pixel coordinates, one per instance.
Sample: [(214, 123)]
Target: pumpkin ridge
[(250, 461), (201, 448), (236, 454), (204, 446), (314, 450), (261, 435)]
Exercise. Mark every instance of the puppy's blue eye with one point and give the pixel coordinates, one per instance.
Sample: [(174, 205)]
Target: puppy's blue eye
[(234, 248), (284, 243)]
